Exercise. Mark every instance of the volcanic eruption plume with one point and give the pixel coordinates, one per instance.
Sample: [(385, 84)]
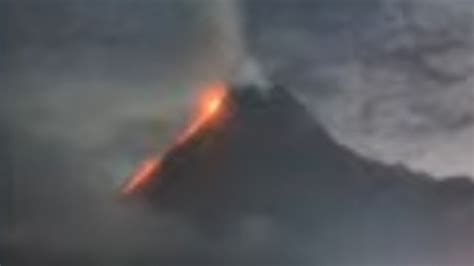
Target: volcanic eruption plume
[(207, 110)]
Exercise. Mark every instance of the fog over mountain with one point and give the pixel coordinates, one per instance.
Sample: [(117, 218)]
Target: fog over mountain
[(90, 88)]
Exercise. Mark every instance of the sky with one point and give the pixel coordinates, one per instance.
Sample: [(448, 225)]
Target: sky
[(390, 79), (89, 88)]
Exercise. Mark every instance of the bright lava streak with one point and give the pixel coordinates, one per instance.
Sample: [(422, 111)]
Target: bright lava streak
[(209, 105), (142, 174)]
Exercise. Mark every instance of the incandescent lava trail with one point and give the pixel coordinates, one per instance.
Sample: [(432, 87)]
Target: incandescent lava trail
[(142, 174), (209, 105)]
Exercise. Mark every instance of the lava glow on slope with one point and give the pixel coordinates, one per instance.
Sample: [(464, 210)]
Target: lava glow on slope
[(209, 106), (142, 174)]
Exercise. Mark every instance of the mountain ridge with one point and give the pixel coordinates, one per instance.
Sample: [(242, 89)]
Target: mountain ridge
[(265, 155)]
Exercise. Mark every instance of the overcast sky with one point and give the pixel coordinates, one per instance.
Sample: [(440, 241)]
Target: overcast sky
[(390, 78)]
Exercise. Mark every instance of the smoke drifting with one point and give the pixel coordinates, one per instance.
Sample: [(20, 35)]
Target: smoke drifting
[(379, 74), (92, 88), (250, 73)]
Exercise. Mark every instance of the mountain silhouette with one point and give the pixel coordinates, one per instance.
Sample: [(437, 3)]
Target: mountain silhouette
[(265, 155)]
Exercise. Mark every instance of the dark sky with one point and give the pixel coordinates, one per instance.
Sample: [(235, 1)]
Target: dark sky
[(378, 73)]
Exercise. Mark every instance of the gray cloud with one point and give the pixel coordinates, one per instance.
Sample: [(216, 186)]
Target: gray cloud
[(391, 79), (91, 87)]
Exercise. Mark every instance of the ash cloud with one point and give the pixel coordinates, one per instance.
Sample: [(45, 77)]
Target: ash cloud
[(379, 74), (90, 88), (89, 73)]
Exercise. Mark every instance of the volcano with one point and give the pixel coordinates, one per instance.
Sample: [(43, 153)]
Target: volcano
[(255, 142), (262, 153)]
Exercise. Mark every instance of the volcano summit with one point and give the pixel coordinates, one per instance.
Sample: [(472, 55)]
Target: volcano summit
[(262, 154), (252, 143)]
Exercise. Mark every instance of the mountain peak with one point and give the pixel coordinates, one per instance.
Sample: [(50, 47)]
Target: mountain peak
[(254, 97), (261, 134), (262, 154)]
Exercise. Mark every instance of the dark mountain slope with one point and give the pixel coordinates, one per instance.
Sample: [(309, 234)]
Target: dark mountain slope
[(266, 156)]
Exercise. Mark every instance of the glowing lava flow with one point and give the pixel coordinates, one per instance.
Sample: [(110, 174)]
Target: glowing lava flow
[(209, 106), (142, 174)]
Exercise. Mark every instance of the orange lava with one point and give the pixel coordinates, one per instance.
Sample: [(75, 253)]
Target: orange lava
[(142, 174), (209, 105)]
